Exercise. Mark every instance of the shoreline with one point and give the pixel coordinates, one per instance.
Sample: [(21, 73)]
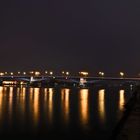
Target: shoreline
[(127, 128)]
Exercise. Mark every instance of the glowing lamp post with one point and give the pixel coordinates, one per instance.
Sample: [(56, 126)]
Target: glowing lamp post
[(101, 74), (84, 73), (1, 74), (11, 73), (19, 72), (24, 73), (63, 72), (67, 73), (6, 73), (51, 73), (31, 72), (121, 74), (37, 73)]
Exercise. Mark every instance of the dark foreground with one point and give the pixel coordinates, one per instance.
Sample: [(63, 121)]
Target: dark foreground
[(129, 126)]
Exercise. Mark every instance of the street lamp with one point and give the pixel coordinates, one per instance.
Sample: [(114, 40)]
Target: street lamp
[(1, 74), (63, 72), (84, 73), (24, 73), (101, 73), (18, 72), (31, 72), (122, 74), (6, 73), (51, 73), (12, 73), (67, 73), (37, 73)]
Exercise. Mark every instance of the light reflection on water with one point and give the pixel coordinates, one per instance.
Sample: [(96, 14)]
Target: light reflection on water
[(101, 105), (33, 104), (21, 101), (50, 105), (65, 104), (84, 107), (121, 100), (36, 105), (1, 103), (10, 104)]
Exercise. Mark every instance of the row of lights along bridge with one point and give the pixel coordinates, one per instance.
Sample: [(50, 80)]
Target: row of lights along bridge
[(51, 73)]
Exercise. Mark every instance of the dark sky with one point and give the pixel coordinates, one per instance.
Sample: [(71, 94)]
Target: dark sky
[(93, 35)]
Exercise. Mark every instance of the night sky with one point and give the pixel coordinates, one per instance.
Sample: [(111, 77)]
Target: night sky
[(92, 35)]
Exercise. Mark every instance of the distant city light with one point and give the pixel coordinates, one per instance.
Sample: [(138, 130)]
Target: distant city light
[(46, 72), (24, 73), (18, 72), (31, 72), (121, 74), (51, 73), (63, 72), (1, 74), (12, 73), (6, 72), (101, 73), (67, 73), (37, 73), (84, 73)]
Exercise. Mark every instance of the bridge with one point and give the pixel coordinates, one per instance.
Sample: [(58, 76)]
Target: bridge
[(65, 80)]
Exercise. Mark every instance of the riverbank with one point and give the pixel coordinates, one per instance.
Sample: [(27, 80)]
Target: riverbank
[(129, 126)]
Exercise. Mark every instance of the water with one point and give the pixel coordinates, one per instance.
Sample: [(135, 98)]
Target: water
[(57, 113)]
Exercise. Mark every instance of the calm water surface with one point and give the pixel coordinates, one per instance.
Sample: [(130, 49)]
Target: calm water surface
[(60, 113)]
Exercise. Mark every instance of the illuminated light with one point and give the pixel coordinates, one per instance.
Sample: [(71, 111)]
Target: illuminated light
[(31, 91), (101, 73), (65, 104), (84, 73), (6, 72), (1, 74), (51, 96), (84, 107), (46, 72), (21, 83), (121, 100), (22, 94), (1, 101), (37, 73), (63, 72), (1, 89), (50, 105), (36, 105), (31, 72), (82, 81), (10, 101), (67, 73), (101, 105), (9, 82), (24, 73), (121, 74), (12, 73), (51, 73), (19, 72)]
